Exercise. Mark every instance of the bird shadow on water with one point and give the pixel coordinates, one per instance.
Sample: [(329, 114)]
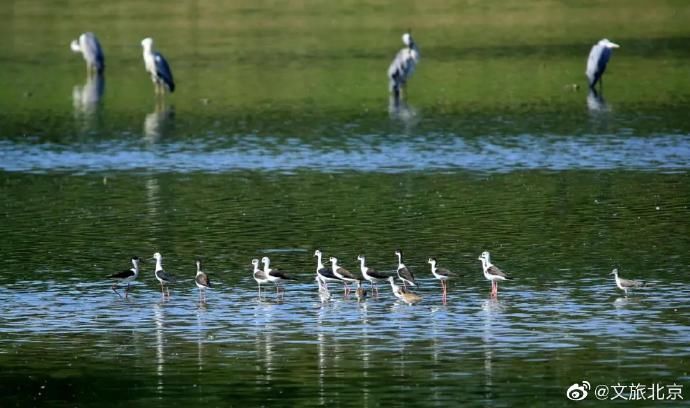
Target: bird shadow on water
[(159, 123)]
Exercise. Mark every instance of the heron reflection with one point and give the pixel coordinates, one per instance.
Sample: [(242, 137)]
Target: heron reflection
[(86, 99), (399, 109), (596, 102), (159, 122)]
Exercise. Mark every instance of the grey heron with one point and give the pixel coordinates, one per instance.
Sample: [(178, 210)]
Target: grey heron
[(598, 58), (158, 67), (403, 65), (87, 44)]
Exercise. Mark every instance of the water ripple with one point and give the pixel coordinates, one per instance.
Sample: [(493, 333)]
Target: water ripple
[(368, 153)]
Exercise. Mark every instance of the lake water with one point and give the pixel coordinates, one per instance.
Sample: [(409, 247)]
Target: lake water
[(281, 139)]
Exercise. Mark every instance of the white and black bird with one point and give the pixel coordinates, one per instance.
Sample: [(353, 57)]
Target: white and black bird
[(403, 66), (370, 274), (126, 276), (442, 274), (491, 272), (259, 275), (158, 67), (202, 280), (323, 272), (88, 46), (626, 284), (275, 275), (402, 293), (342, 273), (163, 277), (404, 273), (599, 56)]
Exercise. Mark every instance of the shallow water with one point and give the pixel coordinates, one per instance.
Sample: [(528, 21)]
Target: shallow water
[(254, 156)]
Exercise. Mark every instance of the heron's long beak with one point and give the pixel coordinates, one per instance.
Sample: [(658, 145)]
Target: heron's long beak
[(614, 45)]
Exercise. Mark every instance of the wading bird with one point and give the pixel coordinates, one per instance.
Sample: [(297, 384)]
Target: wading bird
[(491, 272), (259, 275), (403, 294), (596, 63), (626, 284), (87, 44), (343, 274), (202, 281), (126, 276), (441, 274), (403, 65), (275, 275), (158, 67), (324, 273), (370, 274), (163, 277), (404, 273)]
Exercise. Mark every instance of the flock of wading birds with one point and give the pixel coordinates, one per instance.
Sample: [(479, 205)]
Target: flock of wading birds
[(399, 71), (337, 274)]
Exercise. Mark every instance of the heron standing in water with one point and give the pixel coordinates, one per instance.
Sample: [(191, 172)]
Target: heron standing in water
[(158, 67), (87, 44), (403, 65), (596, 63)]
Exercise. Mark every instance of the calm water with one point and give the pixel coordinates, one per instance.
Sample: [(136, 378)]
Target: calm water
[(560, 186)]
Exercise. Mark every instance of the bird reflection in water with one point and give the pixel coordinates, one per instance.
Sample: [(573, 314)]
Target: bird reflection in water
[(596, 102), (86, 100), (398, 109), (158, 123), (159, 318)]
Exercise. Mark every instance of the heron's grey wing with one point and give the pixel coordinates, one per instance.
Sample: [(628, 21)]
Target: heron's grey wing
[(604, 59), (596, 63), (93, 51), (163, 71)]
